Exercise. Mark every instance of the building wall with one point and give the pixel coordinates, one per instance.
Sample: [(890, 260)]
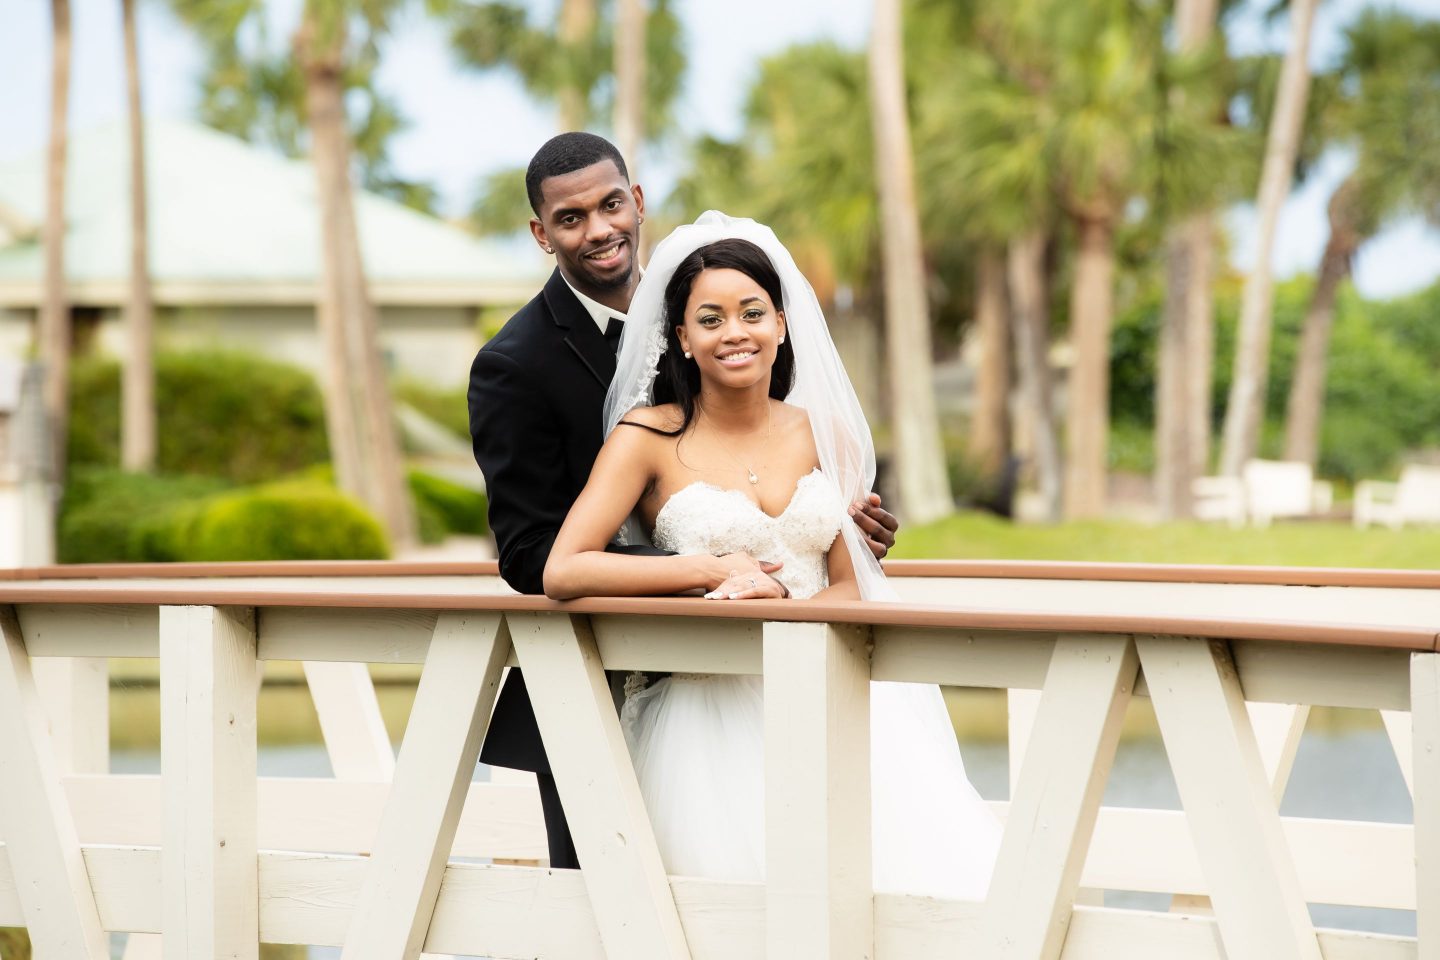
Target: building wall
[(432, 344)]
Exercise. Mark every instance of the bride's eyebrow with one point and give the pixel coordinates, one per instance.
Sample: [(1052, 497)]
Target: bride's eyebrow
[(716, 306)]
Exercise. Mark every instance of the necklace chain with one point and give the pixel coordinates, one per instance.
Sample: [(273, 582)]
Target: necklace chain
[(750, 473)]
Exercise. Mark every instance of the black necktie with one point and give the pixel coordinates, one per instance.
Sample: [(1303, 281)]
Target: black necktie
[(612, 334)]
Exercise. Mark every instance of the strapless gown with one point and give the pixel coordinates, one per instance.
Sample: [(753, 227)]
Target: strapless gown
[(698, 740)]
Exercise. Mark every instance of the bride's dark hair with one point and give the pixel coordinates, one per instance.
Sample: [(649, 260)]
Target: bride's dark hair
[(678, 379)]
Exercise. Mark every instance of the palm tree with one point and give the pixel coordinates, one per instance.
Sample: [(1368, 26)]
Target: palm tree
[(1030, 323), (346, 312), (630, 82), (137, 428), (923, 484), (568, 62), (1391, 74), (306, 93), (1186, 350), (989, 441), (54, 332), (1244, 409)]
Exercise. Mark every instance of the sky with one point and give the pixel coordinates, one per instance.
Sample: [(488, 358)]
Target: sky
[(464, 125)]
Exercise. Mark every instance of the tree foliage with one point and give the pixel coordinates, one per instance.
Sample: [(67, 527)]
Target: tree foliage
[(253, 89)]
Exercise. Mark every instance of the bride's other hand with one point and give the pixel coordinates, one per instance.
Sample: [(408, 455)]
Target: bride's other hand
[(876, 524)]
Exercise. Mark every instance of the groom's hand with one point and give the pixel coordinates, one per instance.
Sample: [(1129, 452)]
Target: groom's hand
[(876, 524)]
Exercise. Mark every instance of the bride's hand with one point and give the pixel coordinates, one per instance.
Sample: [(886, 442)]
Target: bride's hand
[(737, 576), (754, 585)]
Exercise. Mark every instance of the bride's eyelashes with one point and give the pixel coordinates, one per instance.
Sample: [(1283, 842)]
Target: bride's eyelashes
[(711, 321)]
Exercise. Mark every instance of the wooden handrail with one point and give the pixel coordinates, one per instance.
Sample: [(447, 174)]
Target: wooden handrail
[(968, 569), (1419, 636)]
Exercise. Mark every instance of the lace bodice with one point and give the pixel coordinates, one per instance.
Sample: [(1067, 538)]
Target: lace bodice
[(704, 518)]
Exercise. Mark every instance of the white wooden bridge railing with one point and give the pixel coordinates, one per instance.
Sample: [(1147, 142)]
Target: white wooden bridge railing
[(381, 859)]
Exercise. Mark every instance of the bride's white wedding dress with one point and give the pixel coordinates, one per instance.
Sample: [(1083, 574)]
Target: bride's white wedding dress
[(697, 740)]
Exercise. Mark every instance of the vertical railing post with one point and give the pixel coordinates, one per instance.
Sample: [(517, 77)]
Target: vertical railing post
[(1425, 718), (207, 764), (819, 893)]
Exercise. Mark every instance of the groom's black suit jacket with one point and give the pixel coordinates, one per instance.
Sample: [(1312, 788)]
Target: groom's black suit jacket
[(537, 394)]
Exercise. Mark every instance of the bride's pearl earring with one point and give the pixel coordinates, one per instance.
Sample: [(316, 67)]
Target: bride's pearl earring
[(687, 354), (782, 338)]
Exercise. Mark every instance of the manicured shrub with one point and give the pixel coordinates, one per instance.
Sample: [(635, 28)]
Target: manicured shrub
[(221, 413), (446, 407), (461, 509), (442, 507), (284, 521), (112, 517)]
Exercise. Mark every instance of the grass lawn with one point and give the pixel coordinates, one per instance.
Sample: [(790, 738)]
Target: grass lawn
[(981, 536)]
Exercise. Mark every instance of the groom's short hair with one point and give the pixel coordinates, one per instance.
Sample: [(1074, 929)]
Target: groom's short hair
[(565, 154)]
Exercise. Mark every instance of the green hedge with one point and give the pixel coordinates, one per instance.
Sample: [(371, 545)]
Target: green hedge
[(446, 407), (442, 507), (1380, 396), (459, 508), (221, 414), (108, 516), (283, 521)]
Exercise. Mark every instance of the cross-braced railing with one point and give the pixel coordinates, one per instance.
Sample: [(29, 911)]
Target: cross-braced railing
[(380, 860)]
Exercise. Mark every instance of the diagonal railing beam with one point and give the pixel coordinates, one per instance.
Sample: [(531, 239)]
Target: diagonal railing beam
[(35, 821), (620, 860), (1052, 817), (1228, 799), (437, 757)]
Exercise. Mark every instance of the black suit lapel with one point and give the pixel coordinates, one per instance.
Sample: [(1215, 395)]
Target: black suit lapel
[(581, 334)]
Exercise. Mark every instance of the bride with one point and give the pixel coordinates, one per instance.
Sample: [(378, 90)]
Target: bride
[(734, 441)]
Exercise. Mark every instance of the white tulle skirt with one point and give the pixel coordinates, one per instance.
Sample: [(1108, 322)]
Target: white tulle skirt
[(699, 751)]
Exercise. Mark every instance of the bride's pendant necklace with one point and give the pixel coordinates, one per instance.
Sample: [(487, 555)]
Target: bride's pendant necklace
[(750, 473)]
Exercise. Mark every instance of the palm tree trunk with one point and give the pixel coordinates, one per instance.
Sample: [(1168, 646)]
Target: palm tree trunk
[(920, 458), (1200, 350), (1030, 324), (1245, 409), (577, 23), (630, 83), (54, 332), (358, 413), (990, 426), (137, 428), (1307, 388), (1182, 388), (1087, 429)]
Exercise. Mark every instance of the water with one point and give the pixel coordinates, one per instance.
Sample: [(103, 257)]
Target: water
[(1346, 775)]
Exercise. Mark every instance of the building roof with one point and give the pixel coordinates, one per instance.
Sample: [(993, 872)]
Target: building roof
[(234, 223)]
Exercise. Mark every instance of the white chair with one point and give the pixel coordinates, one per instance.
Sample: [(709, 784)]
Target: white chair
[(1414, 499), (1283, 488), (1265, 490)]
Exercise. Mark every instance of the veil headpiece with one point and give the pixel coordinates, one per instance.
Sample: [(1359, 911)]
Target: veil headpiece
[(822, 388)]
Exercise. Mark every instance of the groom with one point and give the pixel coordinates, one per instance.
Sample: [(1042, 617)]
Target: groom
[(537, 391)]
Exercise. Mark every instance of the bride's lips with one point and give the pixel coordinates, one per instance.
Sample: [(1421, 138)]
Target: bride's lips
[(737, 358), (607, 256)]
